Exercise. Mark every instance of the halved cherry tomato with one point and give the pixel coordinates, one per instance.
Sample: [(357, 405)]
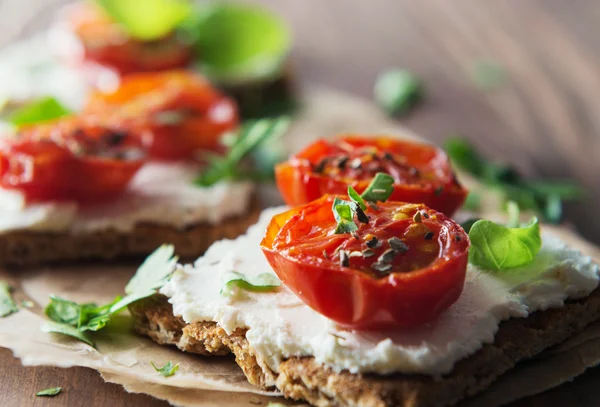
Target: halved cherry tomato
[(422, 172), (183, 112), (70, 159), (106, 43), (399, 269)]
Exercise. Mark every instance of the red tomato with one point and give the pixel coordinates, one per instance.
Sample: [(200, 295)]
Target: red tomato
[(69, 159), (422, 172), (106, 43), (392, 272), (183, 112)]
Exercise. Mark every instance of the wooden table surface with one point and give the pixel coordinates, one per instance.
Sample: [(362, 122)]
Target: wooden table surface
[(545, 120)]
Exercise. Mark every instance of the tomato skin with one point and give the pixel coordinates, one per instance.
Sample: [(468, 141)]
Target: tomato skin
[(43, 165), (106, 43), (182, 111), (299, 183), (358, 300)]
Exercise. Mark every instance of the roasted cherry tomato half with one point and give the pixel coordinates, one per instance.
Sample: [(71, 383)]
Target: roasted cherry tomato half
[(184, 113), (104, 42), (70, 159), (422, 172), (402, 268)]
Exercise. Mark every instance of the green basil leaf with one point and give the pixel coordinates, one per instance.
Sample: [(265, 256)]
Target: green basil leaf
[(473, 202), (239, 42), (63, 311), (562, 189), (64, 329), (465, 156), (167, 370), (154, 271), (468, 224), (37, 111), (7, 304), (497, 247), (261, 283), (147, 20), (50, 392), (251, 135), (398, 91), (553, 209), (380, 189), (343, 212), (488, 75), (356, 198)]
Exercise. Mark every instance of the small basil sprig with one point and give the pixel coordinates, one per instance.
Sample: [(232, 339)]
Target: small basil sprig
[(78, 320), (7, 304), (237, 281), (169, 369), (37, 111), (147, 20), (251, 135), (543, 197), (497, 247), (379, 190), (398, 91)]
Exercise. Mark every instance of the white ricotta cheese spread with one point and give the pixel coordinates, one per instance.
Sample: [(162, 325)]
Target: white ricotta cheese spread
[(160, 193), (280, 325)]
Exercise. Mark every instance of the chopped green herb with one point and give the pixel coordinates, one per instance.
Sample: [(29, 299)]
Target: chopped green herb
[(398, 244), (380, 189), (7, 304), (397, 91), (50, 392), (343, 212), (27, 304), (543, 197), (72, 319), (368, 253), (488, 75), (261, 283), (497, 247), (147, 20), (473, 202), (167, 370), (356, 198), (387, 256), (250, 136), (37, 111)]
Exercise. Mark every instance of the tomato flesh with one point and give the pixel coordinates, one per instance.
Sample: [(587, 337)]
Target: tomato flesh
[(421, 172), (183, 113), (394, 271), (69, 159), (106, 43)]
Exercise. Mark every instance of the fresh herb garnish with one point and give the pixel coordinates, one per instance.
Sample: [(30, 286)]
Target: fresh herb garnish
[(543, 197), (250, 136), (497, 247), (147, 20), (237, 281), (397, 91), (473, 202), (37, 111), (50, 392), (7, 304), (379, 189), (76, 320), (167, 370), (488, 74)]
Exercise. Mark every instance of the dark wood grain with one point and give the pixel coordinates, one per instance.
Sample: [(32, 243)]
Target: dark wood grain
[(545, 119)]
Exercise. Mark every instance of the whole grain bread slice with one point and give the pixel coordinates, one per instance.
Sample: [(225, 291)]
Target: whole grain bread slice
[(301, 378), (30, 248)]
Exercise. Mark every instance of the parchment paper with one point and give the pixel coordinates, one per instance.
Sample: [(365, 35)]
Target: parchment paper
[(124, 358)]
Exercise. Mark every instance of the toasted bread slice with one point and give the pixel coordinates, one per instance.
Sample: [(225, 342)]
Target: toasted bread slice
[(303, 379), (30, 248)]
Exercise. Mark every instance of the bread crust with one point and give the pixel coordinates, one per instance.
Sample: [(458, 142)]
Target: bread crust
[(23, 248), (302, 378)]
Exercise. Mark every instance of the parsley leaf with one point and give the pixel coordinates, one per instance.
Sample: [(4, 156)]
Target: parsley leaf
[(250, 136), (380, 189), (397, 91), (497, 247), (50, 392), (147, 20), (37, 111), (167, 370), (7, 304), (261, 283), (543, 197), (70, 318)]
